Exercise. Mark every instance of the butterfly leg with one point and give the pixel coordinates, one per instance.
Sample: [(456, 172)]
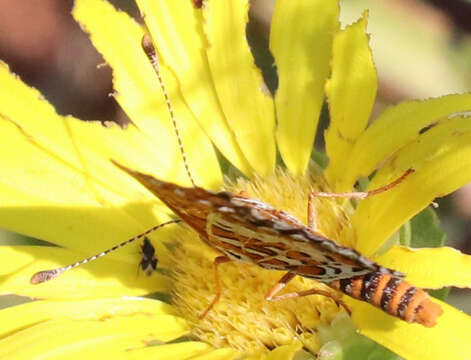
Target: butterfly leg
[(218, 261), (243, 194), (275, 289), (291, 295), (271, 294), (364, 194)]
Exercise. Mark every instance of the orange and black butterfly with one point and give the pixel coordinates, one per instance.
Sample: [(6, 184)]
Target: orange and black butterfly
[(251, 231)]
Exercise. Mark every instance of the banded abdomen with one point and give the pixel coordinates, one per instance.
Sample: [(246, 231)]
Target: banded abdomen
[(393, 295)]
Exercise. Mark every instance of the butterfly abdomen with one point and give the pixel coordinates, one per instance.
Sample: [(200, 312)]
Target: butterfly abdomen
[(393, 295)]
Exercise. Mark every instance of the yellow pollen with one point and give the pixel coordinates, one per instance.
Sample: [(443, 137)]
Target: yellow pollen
[(243, 319)]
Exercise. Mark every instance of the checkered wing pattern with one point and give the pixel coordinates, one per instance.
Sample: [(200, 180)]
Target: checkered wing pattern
[(252, 231)]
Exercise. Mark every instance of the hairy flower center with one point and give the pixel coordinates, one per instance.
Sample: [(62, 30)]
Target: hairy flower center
[(242, 318)]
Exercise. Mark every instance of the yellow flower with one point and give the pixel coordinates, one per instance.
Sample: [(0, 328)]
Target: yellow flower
[(59, 185)]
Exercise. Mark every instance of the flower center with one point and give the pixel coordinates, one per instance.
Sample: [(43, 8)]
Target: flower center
[(242, 318)]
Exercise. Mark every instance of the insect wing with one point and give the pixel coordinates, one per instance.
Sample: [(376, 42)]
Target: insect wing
[(192, 205), (253, 231)]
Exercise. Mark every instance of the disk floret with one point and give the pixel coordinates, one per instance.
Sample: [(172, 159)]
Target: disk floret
[(242, 318)]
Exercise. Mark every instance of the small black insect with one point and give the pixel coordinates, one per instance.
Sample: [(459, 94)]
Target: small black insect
[(149, 262)]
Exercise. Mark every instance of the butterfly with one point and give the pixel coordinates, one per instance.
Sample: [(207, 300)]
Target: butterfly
[(252, 231)]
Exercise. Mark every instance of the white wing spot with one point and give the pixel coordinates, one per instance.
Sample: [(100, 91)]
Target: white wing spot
[(179, 192), (226, 209), (279, 225), (256, 214)]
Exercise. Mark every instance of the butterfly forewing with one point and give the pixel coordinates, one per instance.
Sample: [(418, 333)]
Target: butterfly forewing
[(252, 231)]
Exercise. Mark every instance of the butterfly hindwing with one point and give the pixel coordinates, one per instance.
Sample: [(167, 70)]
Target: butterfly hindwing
[(253, 231)]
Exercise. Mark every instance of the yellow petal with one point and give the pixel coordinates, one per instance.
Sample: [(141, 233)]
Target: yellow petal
[(284, 352), (442, 159), (219, 354), (177, 30), (60, 185), (247, 105), (105, 337), (177, 351), (449, 339), (35, 130), (108, 277), (303, 66), (430, 268), (351, 92), (16, 318), (85, 228), (78, 147), (138, 92), (394, 128)]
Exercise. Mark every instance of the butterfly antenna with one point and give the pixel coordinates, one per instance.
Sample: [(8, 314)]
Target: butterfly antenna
[(149, 49), (47, 275)]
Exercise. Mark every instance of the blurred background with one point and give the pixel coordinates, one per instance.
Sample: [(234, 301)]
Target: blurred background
[(421, 49)]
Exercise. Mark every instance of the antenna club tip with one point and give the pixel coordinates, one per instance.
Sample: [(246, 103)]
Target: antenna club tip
[(147, 44), (43, 276)]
